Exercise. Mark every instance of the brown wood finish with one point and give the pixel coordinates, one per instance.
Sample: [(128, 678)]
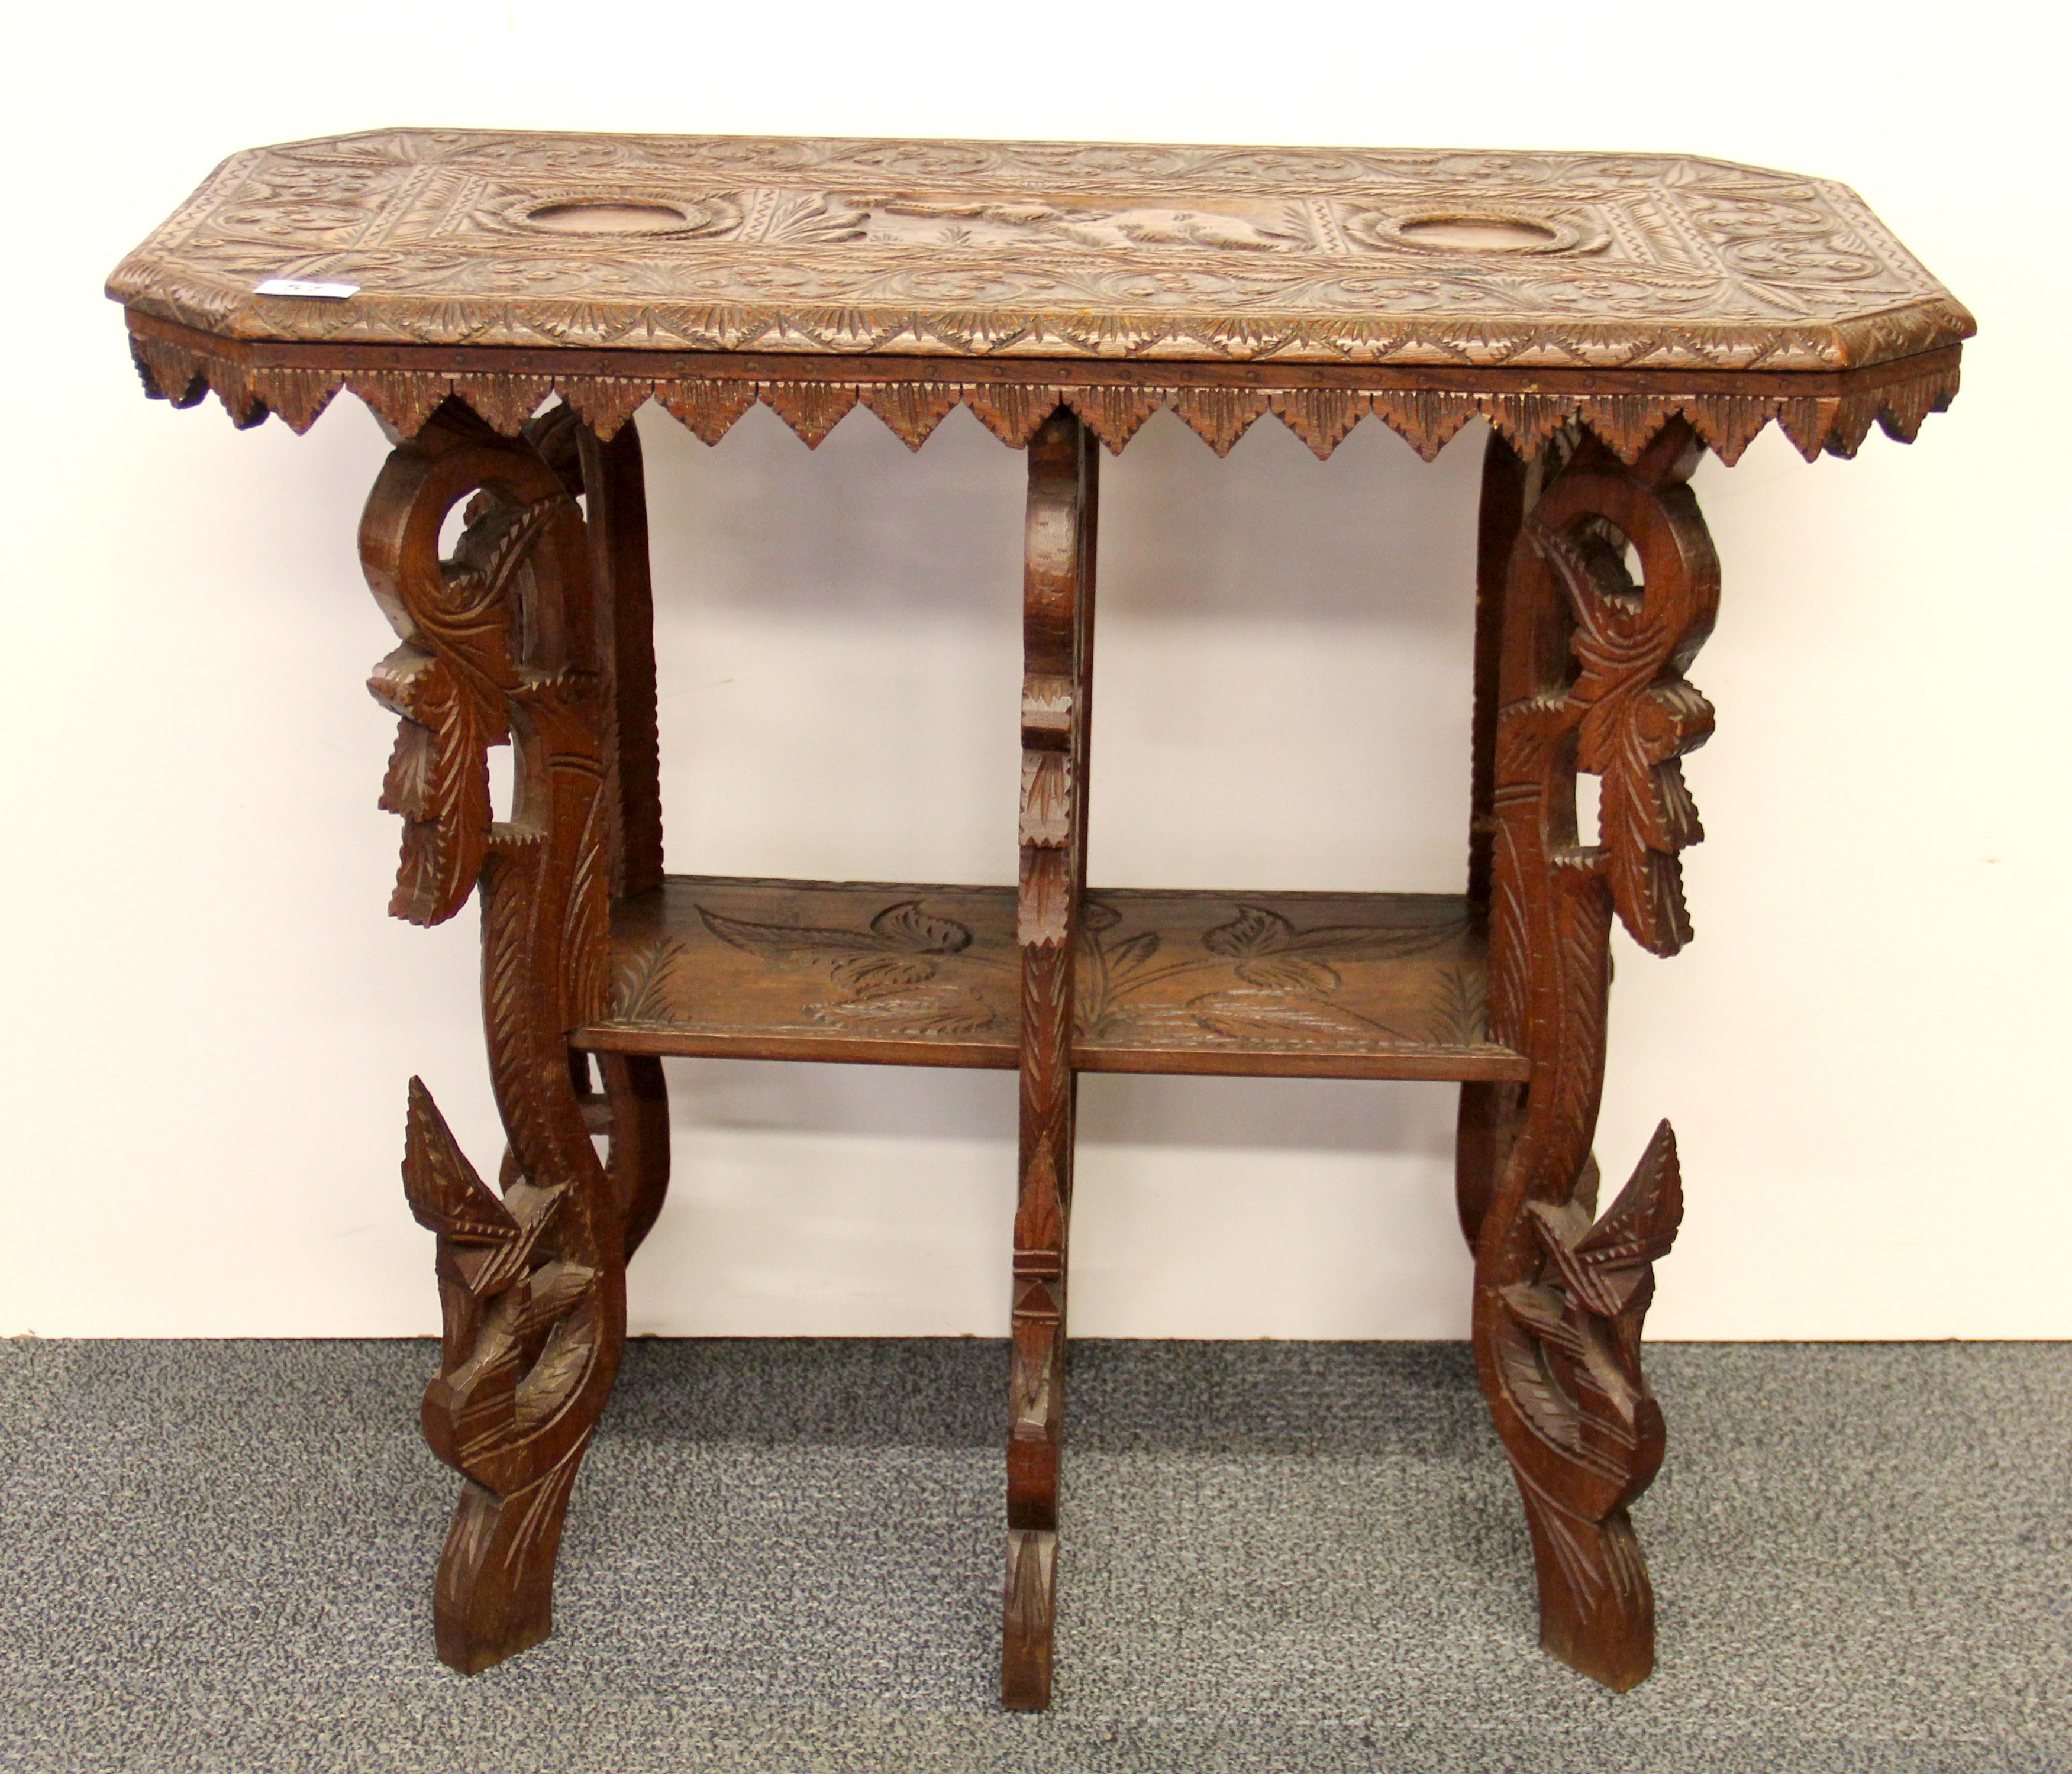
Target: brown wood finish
[(1425, 404), (498, 644), (1589, 677), (985, 249), (1049, 921), (1321, 985), (1610, 317)]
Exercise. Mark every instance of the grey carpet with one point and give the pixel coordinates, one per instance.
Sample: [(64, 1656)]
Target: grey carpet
[(1278, 1557)]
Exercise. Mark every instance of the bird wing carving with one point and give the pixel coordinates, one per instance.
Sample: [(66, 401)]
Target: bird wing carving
[(1603, 1266), (445, 1193)]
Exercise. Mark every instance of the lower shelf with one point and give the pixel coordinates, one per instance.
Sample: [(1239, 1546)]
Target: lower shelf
[(1298, 985)]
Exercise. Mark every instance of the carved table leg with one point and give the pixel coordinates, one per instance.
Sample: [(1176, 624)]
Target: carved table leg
[(500, 643), (1588, 677), (1057, 626)]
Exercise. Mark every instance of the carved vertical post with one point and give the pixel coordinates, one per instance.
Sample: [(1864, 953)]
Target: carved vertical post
[(1057, 656), (1488, 1112), (636, 1098), (501, 641), (1589, 677)]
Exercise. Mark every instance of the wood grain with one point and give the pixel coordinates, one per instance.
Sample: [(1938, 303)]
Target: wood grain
[(1051, 924), (960, 249), (1611, 317), (1315, 985), (1589, 677), (1425, 404)]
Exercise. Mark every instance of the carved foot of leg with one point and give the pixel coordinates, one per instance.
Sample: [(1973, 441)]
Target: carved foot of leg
[(496, 1591), (1559, 1353), (1597, 1607), (1032, 1573)]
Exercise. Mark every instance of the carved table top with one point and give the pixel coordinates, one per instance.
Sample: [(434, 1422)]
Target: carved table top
[(1495, 272)]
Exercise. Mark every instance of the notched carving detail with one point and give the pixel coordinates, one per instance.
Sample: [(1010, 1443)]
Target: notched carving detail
[(450, 683), (501, 643), (1576, 1368), (1898, 397), (1635, 716), (1590, 657), (515, 1343)]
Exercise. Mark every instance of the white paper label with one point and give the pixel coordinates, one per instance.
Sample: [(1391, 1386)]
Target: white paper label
[(295, 286)]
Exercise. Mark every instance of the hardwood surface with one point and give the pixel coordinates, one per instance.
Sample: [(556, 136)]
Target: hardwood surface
[(1298, 985), (1042, 249), (1320, 286)]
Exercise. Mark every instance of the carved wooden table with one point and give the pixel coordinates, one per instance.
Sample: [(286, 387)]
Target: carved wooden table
[(1610, 316)]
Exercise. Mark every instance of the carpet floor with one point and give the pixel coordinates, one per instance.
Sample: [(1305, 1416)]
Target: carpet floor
[(1278, 1557)]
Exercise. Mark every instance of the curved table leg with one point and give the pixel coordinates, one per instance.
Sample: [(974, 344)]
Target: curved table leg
[(1589, 678), (499, 644)]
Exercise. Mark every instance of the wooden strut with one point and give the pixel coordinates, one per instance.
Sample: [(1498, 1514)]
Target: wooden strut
[(1056, 691), (1580, 666), (523, 637)]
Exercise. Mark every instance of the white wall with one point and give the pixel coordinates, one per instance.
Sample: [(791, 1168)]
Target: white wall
[(212, 1020)]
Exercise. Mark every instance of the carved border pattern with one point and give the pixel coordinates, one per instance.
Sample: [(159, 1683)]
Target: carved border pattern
[(912, 395), (1657, 259)]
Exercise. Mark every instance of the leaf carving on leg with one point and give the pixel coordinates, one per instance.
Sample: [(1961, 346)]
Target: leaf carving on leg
[(491, 1249), (1635, 715), (1584, 1313)]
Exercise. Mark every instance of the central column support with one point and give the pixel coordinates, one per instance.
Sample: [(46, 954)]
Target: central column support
[(1057, 641)]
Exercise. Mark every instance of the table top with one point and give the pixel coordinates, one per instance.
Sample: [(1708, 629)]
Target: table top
[(1055, 250)]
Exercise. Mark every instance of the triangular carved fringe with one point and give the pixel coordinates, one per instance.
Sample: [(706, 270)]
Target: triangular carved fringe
[(1527, 422), (402, 399), (1907, 407), (910, 410), (1805, 419), (1321, 417), (298, 396), (170, 372), (812, 409), (1011, 414), (605, 403), (1853, 420), (233, 388), (1219, 417), (506, 401), (1427, 418), (1729, 422), (709, 408), (1424, 418), (1115, 415), (1627, 423)]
